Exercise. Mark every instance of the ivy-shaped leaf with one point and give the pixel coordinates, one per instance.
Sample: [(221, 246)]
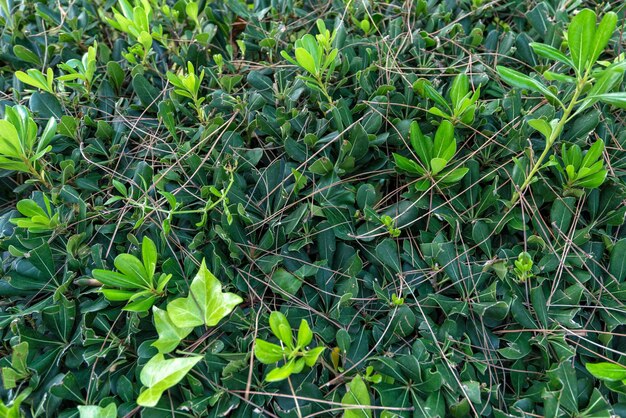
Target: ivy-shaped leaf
[(160, 374), (357, 395), (206, 304)]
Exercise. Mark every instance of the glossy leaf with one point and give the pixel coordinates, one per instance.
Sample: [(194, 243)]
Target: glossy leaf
[(160, 374)]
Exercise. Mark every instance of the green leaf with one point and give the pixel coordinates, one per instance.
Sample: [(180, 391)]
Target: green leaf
[(593, 154), (541, 126), (147, 93), (205, 304), (26, 55), (580, 37), (134, 269), (9, 140), (617, 261), (286, 281), (453, 176), (169, 334), (422, 146), (459, 88), (602, 35), (305, 335), (94, 411), (311, 356), (160, 374), (115, 279), (407, 165), (149, 255), (550, 52), (614, 99), (444, 145), (305, 60), (281, 329), (268, 353), (611, 372), (357, 395), (519, 80), (321, 166), (281, 373), (45, 105), (437, 164)]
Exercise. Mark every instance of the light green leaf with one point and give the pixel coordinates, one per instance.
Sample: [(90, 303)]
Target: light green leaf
[(611, 372), (160, 374), (422, 146), (453, 176), (437, 164), (614, 99), (205, 304), (444, 145), (580, 36), (281, 373), (459, 88), (94, 411), (357, 395), (305, 60), (9, 140), (593, 154), (281, 328), (169, 334), (541, 126), (115, 279), (268, 353), (149, 255), (602, 36), (408, 165), (519, 80), (130, 266), (311, 356), (550, 52), (305, 335)]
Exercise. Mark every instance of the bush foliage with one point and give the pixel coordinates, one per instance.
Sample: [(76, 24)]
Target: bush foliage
[(287, 208)]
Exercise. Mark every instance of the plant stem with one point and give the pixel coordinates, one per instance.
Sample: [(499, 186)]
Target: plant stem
[(550, 142), (36, 173)]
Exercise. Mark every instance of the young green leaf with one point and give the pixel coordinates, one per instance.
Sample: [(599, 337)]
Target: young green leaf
[(169, 334), (614, 99), (281, 328), (281, 373), (407, 165), (602, 36), (160, 374), (206, 304), (519, 80), (305, 335), (444, 145), (149, 256), (541, 126), (580, 37), (311, 356), (611, 372), (422, 146), (95, 411), (268, 353), (550, 52), (134, 269), (115, 279), (458, 89), (357, 399)]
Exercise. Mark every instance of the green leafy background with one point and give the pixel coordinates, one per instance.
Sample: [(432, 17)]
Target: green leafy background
[(412, 289)]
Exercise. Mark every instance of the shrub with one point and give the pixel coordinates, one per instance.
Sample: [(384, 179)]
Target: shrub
[(288, 209)]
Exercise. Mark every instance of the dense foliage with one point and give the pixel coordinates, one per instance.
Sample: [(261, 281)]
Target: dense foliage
[(289, 208)]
